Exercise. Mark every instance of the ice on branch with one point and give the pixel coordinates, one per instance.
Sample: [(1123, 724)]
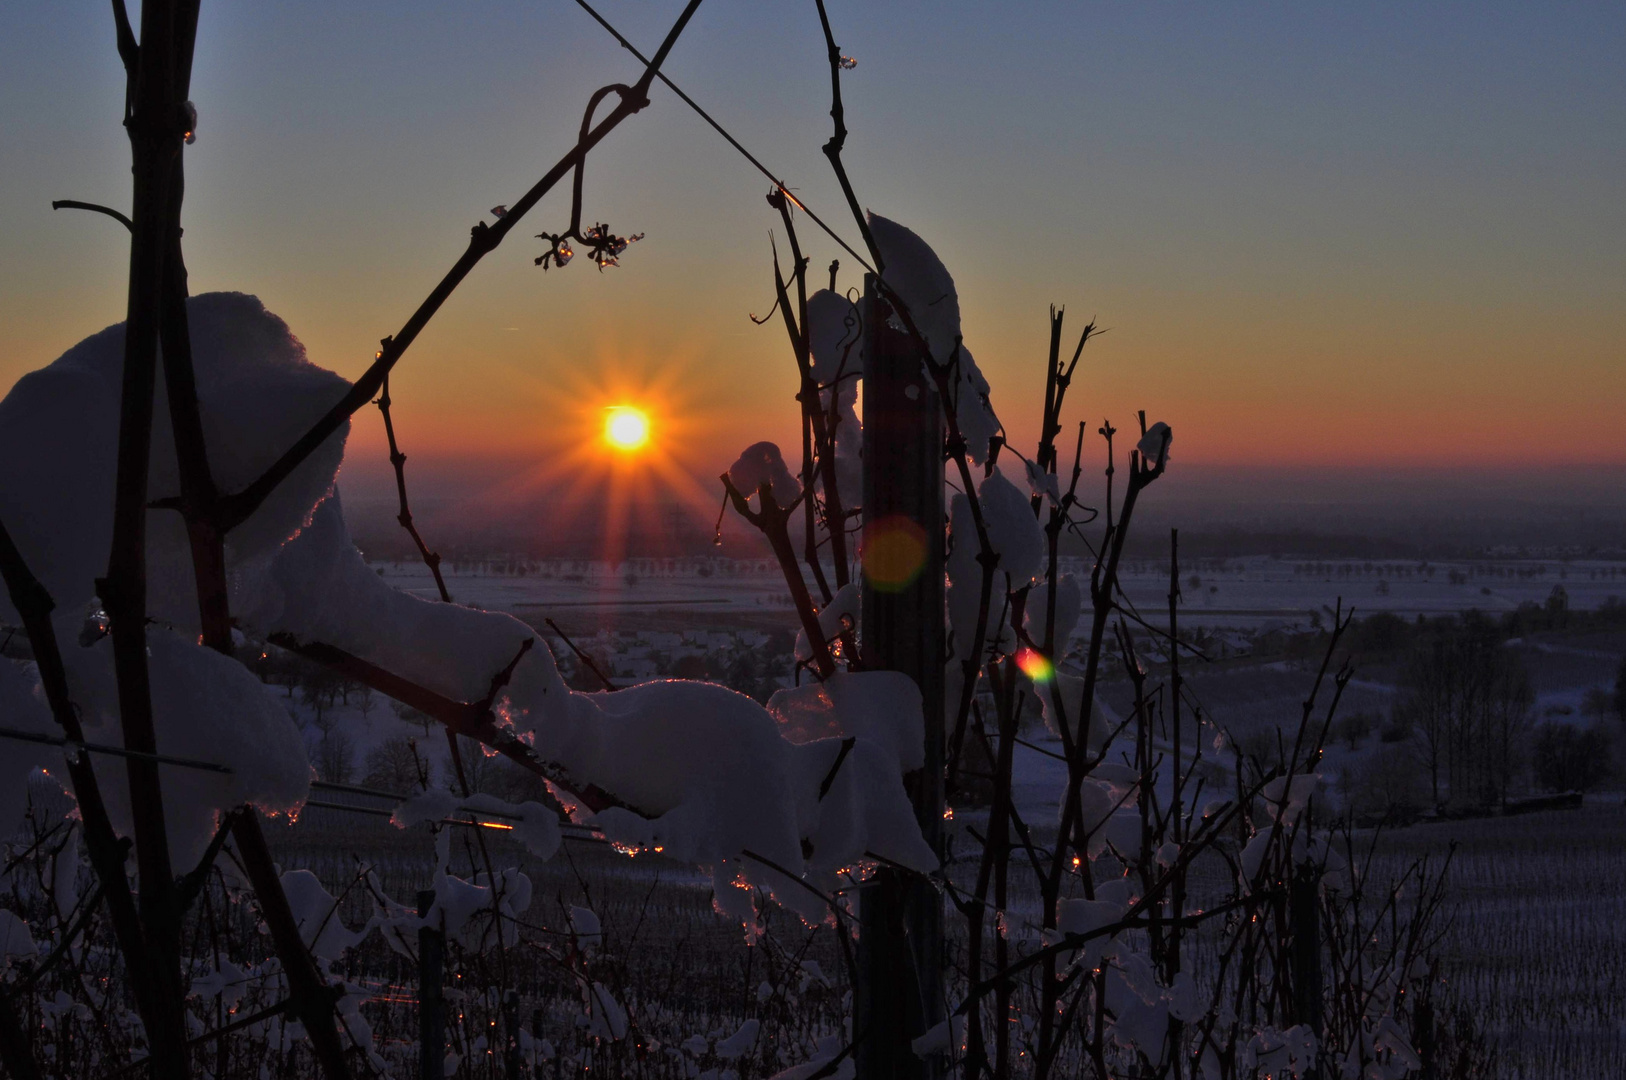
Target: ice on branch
[(761, 463), (917, 277), (839, 616)]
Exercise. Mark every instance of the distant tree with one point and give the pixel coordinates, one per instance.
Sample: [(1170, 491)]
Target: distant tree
[(1505, 723), (1388, 785), (482, 773), (744, 670), (1620, 690), (693, 667), (396, 765), (1597, 702), (406, 712), (1567, 758), (1354, 728), (1558, 605), (1427, 706), (1466, 698), (320, 687), (335, 756), (1381, 634)]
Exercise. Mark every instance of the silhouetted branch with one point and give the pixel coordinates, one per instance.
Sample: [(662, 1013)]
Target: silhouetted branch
[(774, 523), (732, 141), (107, 851), (586, 660), (838, 139), (311, 997), (398, 460), (75, 204), (471, 719)]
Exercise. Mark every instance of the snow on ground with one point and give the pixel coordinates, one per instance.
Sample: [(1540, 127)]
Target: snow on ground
[(1248, 594)]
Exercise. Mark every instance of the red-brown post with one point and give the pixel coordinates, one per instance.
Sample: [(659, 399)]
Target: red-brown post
[(900, 994)]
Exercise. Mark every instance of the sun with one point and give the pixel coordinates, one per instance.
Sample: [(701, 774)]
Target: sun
[(626, 427)]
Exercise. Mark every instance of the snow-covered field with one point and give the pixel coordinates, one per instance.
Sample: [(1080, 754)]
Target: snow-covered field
[(1247, 593)]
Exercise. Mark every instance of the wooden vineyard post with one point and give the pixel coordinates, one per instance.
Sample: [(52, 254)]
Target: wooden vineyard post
[(899, 994), (510, 1031), (431, 975), (1304, 915)]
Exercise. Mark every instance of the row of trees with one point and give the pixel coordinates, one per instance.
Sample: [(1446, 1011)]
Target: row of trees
[(1467, 699)]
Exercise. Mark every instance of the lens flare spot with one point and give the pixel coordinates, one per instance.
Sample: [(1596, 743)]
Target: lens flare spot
[(893, 553), (626, 427), (1035, 665)]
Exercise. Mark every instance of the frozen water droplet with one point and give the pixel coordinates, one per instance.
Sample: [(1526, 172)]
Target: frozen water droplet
[(499, 211), (847, 63), (191, 123)]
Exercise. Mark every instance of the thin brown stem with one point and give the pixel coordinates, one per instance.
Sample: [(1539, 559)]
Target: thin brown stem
[(404, 516)]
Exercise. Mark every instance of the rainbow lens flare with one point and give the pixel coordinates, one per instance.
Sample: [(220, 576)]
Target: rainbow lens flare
[(893, 553), (1035, 665)]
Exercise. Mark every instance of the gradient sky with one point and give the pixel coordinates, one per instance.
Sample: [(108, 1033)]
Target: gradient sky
[(1345, 235)]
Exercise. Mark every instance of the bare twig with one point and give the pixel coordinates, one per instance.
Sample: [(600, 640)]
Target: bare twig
[(398, 461), (75, 204), (586, 660)]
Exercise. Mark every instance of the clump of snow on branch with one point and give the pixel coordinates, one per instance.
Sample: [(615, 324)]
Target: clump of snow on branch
[(533, 824), (315, 912), (58, 430), (836, 341), (835, 335), (761, 463), (1154, 445), (919, 279), (206, 707), (1015, 536)]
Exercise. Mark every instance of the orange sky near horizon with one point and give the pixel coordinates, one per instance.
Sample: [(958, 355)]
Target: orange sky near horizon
[(1343, 241)]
